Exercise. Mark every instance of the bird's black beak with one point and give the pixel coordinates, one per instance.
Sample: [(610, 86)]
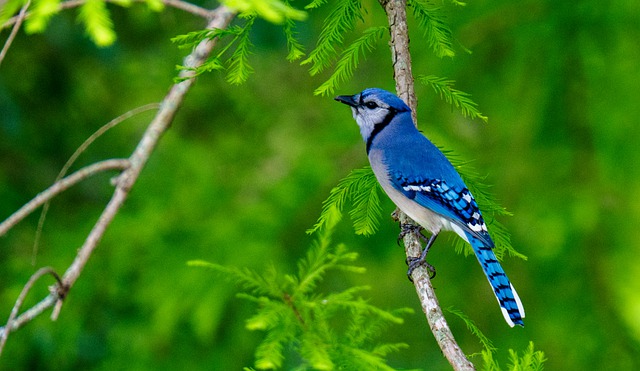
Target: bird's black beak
[(349, 100)]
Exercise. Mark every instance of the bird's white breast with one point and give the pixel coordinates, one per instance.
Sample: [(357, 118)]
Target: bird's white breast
[(433, 222)]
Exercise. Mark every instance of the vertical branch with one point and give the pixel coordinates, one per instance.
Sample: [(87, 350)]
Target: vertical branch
[(397, 15)]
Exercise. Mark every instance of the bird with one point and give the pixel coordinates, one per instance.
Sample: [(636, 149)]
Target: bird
[(422, 182)]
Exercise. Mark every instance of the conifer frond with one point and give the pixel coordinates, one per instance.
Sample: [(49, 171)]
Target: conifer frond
[(384, 349), (349, 60), (315, 4), (193, 38), (269, 316), (239, 68), (253, 282), (274, 11), (269, 354), (317, 262), (361, 187), (485, 341), (341, 19), (41, 13), (436, 30), (531, 360), (97, 22), (155, 5), (361, 359), (296, 50), (326, 330), (444, 87)]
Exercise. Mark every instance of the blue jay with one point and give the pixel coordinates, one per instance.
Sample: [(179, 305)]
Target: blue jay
[(424, 185)]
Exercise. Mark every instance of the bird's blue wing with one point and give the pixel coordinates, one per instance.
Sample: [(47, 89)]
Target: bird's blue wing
[(454, 202)]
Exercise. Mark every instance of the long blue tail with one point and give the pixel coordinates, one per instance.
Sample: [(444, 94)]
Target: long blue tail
[(510, 303)]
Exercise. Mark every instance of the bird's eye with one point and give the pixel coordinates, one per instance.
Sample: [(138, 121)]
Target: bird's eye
[(371, 105)]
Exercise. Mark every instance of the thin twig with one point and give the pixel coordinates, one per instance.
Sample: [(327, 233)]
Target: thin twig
[(161, 122), (11, 322), (111, 124), (61, 186), (397, 15), (178, 4), (16, 26), (147, 144)]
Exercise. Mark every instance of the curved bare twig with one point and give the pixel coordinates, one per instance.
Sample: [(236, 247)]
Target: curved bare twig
[(111, 124), (59, 187), (11, 322)]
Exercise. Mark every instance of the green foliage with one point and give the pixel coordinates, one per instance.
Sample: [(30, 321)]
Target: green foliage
[(530, 360), (93, 14), (237, 64), (41, 13), (341, 20), (296, 50), (444, 88), (349, 60), (97, 21), (436, 30), (274, 11), (471, 326), (327, 331), (361, 188), (239, 68)]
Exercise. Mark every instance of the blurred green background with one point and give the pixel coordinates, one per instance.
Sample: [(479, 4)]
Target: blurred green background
[(244, 169)]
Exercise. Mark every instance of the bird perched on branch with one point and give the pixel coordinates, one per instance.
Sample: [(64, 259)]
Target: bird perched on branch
[(424, 185)]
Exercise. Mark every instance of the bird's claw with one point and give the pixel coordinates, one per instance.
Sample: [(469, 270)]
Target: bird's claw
[(406, 228), (415, 262)]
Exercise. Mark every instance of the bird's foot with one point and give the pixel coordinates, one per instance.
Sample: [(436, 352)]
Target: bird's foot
[(406, 228), (416, 262)]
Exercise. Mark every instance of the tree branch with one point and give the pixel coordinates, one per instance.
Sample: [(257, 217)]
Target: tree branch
[(397, 16), (59, 187), (138, 159), (14, 31), (12, 324), (178, 4), (111, 124)]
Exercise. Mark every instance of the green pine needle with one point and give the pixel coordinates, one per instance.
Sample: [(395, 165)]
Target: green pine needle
[(530, 360), (349, 60), (325, 330), (41, 13), (97, 21), (341, 20), (361, 187), (274, 11), (296, 50), (444, 87), (436, 30), (485, 341), (239, 68), (193, 38)]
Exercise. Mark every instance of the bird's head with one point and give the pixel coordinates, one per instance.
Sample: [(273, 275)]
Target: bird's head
[(373, 109)]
